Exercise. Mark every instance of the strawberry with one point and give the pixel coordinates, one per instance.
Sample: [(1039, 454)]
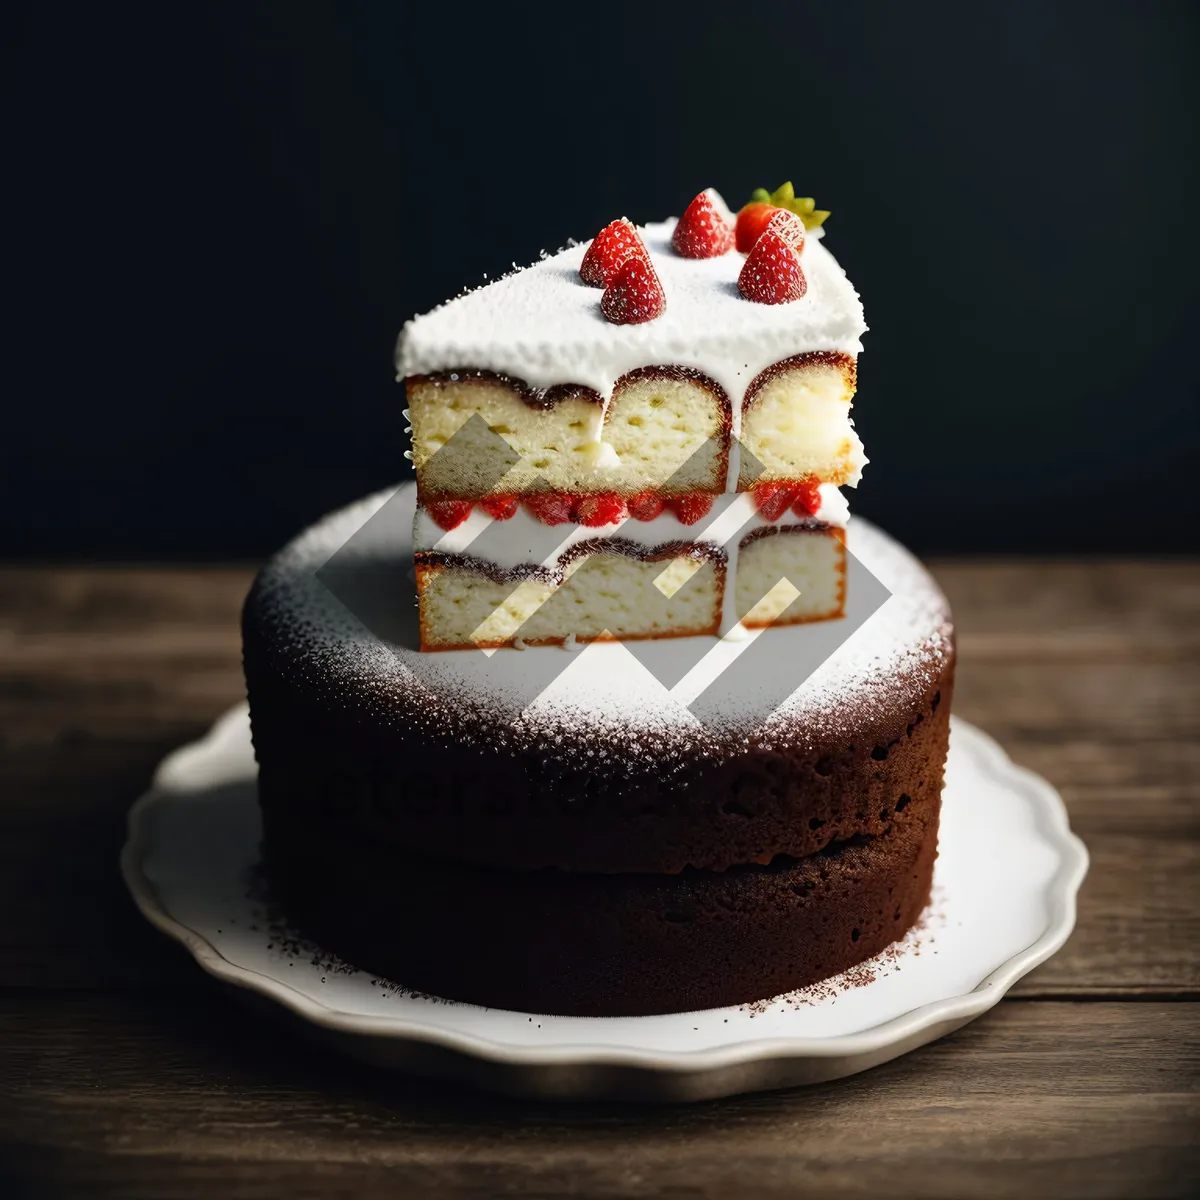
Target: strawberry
[(605, 508), (645, 506), (771, 273), (755, 216), (499, 508), (808, 498), (611, 248), (635, 295), (551, 508), (789, 227), (702, 231), (774, 499), (751, 222), (690, 508), (449, 514)]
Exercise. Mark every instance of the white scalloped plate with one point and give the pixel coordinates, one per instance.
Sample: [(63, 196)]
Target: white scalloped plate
[(1004, 900)]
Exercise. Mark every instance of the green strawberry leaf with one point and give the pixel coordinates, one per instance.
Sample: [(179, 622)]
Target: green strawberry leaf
[(784, 196)]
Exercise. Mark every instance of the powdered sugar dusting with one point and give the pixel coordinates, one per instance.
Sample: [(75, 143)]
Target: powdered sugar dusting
[(921, 938)]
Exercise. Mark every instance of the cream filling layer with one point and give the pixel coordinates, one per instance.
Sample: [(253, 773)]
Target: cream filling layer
[(523, 540)]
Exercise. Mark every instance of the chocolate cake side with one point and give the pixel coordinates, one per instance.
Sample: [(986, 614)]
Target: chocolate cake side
[(383, 782), (605, 945)]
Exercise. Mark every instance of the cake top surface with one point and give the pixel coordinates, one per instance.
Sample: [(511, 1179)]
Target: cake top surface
[(605, 699), (543, 325)]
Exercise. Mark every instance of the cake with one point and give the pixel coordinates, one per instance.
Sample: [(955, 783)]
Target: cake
[(534, 404), (732, 787)]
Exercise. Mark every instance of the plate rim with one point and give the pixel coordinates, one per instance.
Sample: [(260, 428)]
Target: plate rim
[(951, 1011)]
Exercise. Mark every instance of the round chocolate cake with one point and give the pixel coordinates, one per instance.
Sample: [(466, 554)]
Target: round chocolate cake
[(619, 829)]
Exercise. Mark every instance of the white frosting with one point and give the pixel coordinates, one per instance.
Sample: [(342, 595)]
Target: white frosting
[(543, 324), (527, 532)]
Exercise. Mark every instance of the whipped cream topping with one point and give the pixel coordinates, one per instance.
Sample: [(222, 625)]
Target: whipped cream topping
[(543, 324), (524, 538)]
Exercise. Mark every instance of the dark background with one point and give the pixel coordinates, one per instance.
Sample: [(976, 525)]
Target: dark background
[(217, 218)]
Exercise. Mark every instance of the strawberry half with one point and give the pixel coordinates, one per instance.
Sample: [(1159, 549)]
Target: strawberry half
[(551, 508), (449, 514), (702, 232), (610, 250), (807, 501), (499, 508), (771, 273), (789, 227), (691, 508), (645, 506), (605, 508), (751, 221), (635, 295), (773, 499)]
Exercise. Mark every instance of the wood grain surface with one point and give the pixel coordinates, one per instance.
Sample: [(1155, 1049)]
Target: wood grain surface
[(125, 1071)]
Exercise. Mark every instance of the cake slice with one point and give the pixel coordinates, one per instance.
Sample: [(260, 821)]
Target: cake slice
[(617, 418)]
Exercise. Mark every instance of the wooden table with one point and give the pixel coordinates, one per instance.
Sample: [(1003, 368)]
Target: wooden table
[(126, 1071)]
